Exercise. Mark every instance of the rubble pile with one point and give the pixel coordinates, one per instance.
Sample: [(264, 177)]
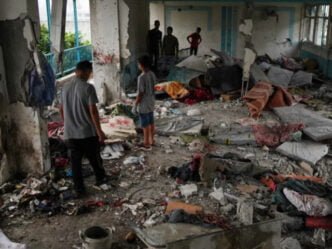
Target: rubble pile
[(221, 163)]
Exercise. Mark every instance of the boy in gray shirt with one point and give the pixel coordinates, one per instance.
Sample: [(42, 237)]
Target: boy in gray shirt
[(145, 101)]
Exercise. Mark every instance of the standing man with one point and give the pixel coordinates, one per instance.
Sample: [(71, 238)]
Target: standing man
[(170, 51), (170, 44), (82, 130), (154, 43), (195, 39)]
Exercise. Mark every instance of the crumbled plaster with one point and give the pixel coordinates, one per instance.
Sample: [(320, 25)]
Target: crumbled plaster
[(124, 35), (30, 132), (246, 27), (10, 11), (249, 59), (105, 35), (102, 58), (28, 34)]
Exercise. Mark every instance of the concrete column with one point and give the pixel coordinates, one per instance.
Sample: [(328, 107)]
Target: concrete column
[(23, 130), (106, 48), (57, 32)]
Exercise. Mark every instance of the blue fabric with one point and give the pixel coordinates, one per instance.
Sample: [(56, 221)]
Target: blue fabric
[(42, 87), (146, 119)]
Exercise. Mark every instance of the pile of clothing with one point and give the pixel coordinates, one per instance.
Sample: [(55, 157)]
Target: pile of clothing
[(304, 196), (187, 172)]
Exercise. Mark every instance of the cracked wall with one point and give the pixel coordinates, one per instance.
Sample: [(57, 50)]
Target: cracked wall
[(24, 131), (106, 48), (134, 25), (119, 30), (220, 25)]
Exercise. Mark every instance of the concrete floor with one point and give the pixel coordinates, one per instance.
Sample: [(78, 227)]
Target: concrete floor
[(61, 231)]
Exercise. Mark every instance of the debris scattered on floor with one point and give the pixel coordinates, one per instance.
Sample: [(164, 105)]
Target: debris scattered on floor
[(290, 243), (188, 190), (112, 151), (119, 127), (219, 162), (6, 243)]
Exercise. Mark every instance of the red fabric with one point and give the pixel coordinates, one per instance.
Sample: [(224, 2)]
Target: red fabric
[(257, 98), (271, 181), (276, 134), (264, 95), (268, 182), (61, 162), (280, 98), (198, 95), (195, 40), (196, 162), (55, 129), (319, 222)]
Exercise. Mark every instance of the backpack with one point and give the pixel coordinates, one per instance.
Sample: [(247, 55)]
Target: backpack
[(41, 83)]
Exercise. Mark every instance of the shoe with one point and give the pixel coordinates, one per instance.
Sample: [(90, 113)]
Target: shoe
[(102, 181), (143, 147)]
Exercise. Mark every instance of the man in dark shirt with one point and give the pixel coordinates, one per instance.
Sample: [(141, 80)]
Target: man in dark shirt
[(154, 43), (82, 130), (194, 39), (170, 44)]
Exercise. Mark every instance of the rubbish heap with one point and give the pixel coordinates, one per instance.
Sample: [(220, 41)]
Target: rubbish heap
[(224, 166)]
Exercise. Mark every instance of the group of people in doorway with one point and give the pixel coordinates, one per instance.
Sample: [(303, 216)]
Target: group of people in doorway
[(169, 45)]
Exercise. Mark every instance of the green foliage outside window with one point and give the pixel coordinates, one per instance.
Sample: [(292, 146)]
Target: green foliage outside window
[(44, 42)]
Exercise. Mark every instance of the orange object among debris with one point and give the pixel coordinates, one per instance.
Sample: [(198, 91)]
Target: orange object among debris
[(188, 208), (174, 89), (264, 95), (282, 178)]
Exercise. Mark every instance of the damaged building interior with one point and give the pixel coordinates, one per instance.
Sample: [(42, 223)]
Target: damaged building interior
[(191, 124)]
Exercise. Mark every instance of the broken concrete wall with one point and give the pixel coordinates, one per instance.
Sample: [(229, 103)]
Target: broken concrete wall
[(106, 48), (119, 29), (276, 28), (24, 134), (185, 18), (220, 22), (134, 25)]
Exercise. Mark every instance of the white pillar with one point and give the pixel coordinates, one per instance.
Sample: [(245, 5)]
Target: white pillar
[(57, 32), (23, 130), (106, 48)]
